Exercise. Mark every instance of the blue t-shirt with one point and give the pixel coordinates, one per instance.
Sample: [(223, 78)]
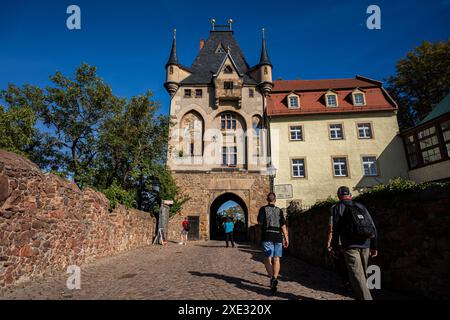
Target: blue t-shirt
[(229, 226)]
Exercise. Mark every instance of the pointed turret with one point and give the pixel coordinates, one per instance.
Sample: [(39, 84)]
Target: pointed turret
[(265, 68), (264, 59), (175, 73), (173, 58)]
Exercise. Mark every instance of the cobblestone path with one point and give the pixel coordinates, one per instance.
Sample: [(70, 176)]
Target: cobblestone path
[(200, 270)]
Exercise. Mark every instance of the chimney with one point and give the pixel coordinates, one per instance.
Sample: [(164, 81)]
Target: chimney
[(202, 43)]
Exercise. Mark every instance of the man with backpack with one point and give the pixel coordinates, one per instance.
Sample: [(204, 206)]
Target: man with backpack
[(353, 234), (274, 236), (186, 226)]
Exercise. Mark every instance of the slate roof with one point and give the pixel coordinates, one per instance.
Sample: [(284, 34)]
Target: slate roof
[(264, 59), (173, 57), (440, 109), (208, 62)]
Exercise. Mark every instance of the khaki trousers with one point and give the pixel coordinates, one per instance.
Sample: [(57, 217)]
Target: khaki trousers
[(356, 260)]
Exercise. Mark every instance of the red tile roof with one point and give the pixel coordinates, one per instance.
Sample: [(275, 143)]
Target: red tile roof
[(312, 96)]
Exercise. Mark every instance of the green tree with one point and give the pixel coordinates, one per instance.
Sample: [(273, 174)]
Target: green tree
[(88, 134), (18, 125), (421, 82), (16, 129), (132, 150)]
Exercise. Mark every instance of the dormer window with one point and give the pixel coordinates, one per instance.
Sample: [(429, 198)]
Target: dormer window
[(293, 101), (228, 70), (359, 98), (331, 99)]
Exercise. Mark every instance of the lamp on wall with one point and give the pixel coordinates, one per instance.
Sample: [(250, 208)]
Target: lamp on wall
[(272, 171)]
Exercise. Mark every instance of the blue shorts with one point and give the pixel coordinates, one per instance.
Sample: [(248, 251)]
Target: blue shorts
[(272, 249)]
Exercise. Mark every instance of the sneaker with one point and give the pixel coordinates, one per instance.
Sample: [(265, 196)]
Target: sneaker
[(273, 285)]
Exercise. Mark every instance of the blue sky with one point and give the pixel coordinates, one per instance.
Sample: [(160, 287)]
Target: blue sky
[(129, 41)]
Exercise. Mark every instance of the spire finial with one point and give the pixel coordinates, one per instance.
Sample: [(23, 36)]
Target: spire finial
[(213, 22), (230, 23), (174, 34)]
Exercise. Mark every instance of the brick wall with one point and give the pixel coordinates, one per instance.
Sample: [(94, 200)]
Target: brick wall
[(414, 240), (48, 223)]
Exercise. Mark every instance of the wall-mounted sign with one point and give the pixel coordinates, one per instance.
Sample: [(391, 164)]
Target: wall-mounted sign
[(283, 191)]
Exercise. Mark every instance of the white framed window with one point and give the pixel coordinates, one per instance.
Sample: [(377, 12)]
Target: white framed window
[(298, 168), (229, 156), (359, 98), (228, 121), (340, 167), (296, 133), (331, 100), (364, 131), (370, 166), (293, 102), (336, 131)]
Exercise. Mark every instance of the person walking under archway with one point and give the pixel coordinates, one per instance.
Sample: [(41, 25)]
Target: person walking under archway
[(228, 227), (274, 236)]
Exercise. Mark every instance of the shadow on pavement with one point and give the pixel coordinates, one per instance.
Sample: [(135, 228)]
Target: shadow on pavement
[(250, 286), (295, 270)]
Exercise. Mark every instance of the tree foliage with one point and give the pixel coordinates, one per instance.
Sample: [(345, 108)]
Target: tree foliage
[(77, 128), (421, 82)]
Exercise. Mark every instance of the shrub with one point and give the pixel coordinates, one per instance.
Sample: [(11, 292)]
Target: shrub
[(117, 195)]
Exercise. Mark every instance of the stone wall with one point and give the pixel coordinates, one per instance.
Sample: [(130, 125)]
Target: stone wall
[(48, 223), (205, 187), (414, 240)]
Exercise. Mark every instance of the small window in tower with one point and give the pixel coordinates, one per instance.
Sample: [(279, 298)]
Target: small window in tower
[(187, 93), (227, 85), (198, 93), (228, 70), (191, 151), (265, 70), (220, 49), (171, 70), (251, 93)]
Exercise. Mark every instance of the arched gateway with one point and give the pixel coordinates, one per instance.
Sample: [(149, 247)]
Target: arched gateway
[(236, 209)]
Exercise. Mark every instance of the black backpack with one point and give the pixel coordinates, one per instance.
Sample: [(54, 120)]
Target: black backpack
[(357, 223)]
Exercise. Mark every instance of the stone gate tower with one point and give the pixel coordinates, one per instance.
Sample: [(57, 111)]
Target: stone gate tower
[(217, 148)]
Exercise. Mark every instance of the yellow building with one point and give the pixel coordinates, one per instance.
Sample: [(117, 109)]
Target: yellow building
[(328, 133)]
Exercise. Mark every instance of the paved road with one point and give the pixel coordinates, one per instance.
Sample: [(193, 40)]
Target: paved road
[(201, 270)]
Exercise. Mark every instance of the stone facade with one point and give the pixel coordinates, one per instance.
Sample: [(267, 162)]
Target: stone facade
[(47, 223), (414, 241), (204, 188), (218, 145)]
